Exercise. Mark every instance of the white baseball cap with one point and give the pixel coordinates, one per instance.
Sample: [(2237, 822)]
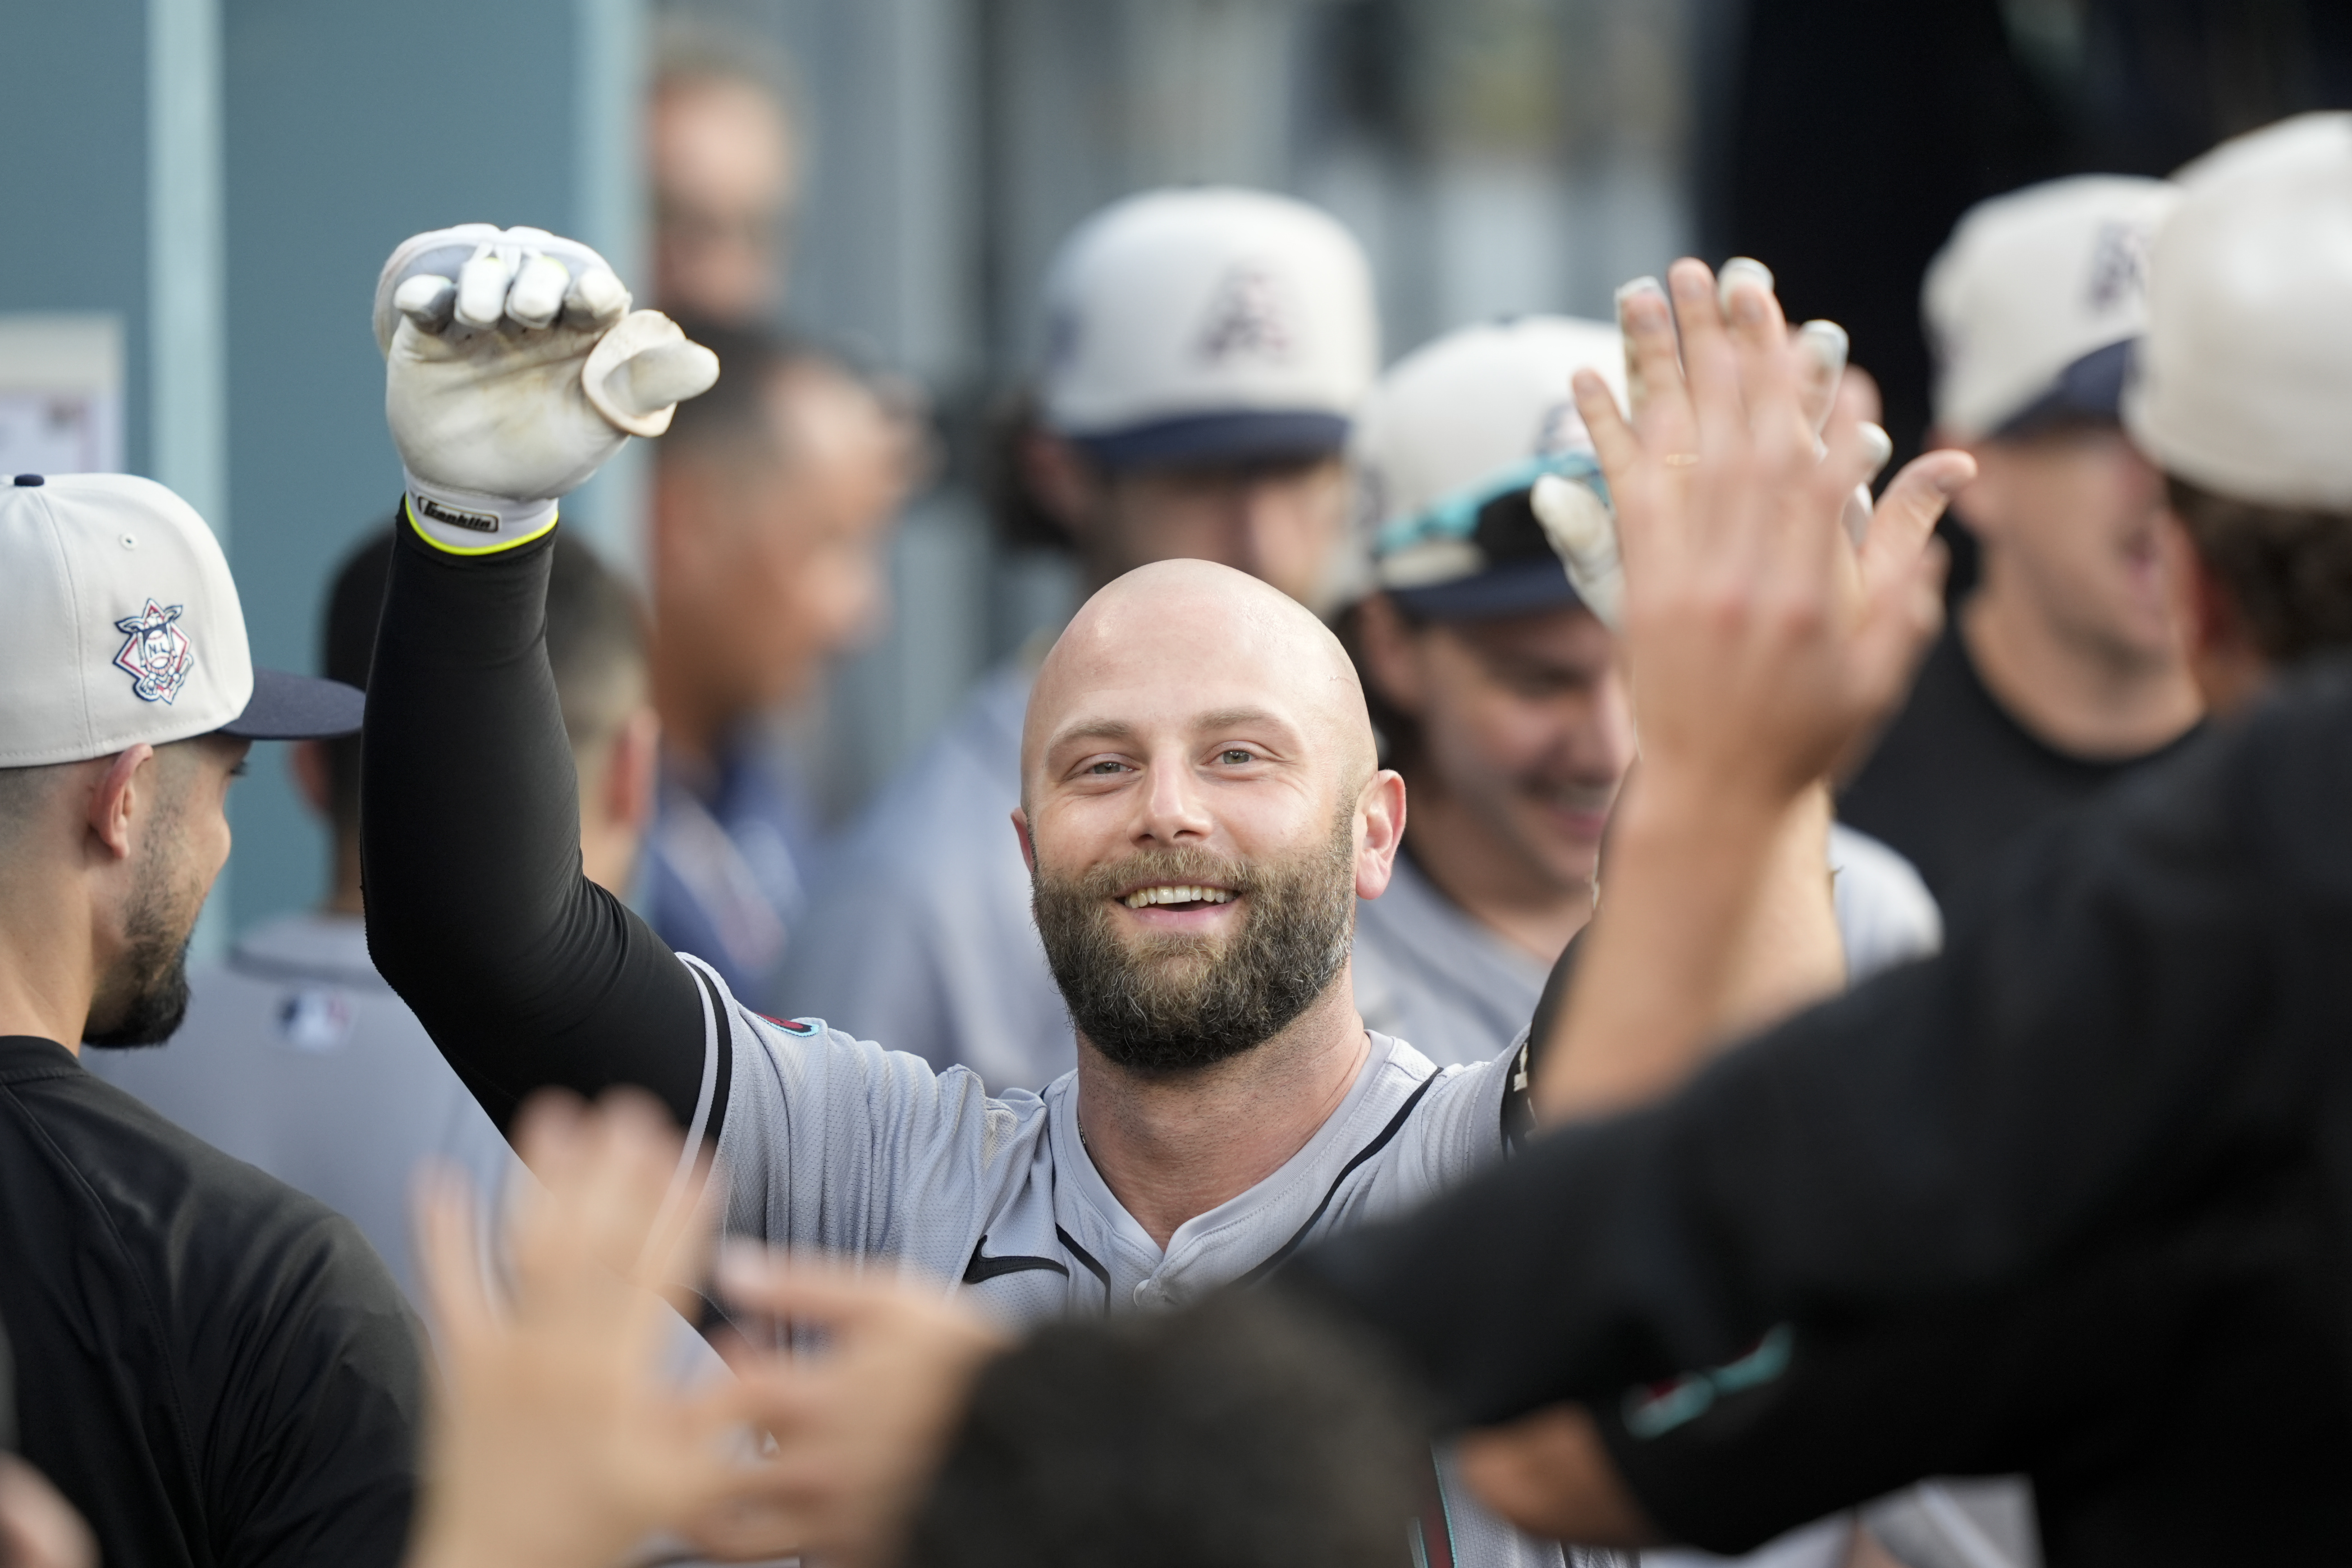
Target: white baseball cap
[(1448, 445), (119, 625), (1187, 326), (2032, 304), (2245, 381)]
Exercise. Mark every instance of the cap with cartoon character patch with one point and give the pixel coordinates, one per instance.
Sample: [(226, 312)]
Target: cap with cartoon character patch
[(122, 626)]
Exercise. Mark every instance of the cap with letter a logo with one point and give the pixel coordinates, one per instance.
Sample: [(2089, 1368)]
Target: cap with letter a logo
[(119, 625), (1204, 326), (2035, 302)]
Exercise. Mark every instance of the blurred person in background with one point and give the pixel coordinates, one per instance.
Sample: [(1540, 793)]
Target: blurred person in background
[(774, 494), (296, 1057), (1498, 697), (1205, 353), (723, 158), (211, 1366), (2064, 670)]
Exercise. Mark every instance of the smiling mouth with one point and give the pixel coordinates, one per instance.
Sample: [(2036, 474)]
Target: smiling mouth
[(1586, 799), (1176, 895)]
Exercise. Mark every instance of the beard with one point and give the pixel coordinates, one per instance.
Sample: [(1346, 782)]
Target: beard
[(1168, 1002), (144, 996)]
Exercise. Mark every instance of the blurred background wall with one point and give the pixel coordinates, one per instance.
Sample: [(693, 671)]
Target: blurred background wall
[(221, 179)]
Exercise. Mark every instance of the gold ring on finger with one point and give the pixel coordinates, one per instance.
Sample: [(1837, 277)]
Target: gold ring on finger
[(1680, 459)]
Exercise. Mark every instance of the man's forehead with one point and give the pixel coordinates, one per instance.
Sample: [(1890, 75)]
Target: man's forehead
[(1171, 643)]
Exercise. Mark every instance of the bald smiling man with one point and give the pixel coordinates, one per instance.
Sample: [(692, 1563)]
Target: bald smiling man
[(1201, 809)]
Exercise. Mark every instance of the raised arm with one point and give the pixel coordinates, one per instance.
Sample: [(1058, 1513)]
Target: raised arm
[(524, 971), (1759, 641)]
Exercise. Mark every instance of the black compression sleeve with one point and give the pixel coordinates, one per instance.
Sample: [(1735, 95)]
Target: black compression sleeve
[(525, 972)]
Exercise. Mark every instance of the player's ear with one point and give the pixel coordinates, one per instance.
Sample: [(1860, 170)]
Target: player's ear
[(1380, 811), (1391, 664), (306, 763), (119, 794), (1057, 474), (1021, 831), (632, 782)]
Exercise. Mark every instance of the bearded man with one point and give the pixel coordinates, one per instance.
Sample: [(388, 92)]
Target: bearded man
[(1199, 807), (210, 1366)]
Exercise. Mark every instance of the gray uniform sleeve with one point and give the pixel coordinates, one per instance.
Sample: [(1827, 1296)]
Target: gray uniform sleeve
[(833, 1143), (1452, 1130), (1884, 912)]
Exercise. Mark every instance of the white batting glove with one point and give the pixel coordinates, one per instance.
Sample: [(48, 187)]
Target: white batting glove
[(513, 368), (1583, 534), (1576, 518)]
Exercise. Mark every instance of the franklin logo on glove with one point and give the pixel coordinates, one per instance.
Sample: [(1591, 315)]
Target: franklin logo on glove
[(479, 521), (513, 369)]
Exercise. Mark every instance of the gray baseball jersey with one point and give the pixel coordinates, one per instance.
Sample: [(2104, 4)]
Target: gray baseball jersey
[(1428, 971), (833, 1143), (1885, 911)]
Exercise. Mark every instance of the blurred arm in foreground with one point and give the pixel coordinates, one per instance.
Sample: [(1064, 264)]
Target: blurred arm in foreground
[(560, 1440)]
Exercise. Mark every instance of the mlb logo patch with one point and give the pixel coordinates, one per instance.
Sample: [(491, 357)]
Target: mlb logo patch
[(157, 655), (315, 1019)]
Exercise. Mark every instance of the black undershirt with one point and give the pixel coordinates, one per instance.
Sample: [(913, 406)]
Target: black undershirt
[(526, 973), (1955, 778), (213, 1368)]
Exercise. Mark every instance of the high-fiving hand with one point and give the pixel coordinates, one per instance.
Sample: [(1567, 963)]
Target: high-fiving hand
[(1760, 642), (513, 369), (857, 1431), (557, 1439), (1578, 520)]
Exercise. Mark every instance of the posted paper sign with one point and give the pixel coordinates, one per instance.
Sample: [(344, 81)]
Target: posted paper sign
[(60, 394)]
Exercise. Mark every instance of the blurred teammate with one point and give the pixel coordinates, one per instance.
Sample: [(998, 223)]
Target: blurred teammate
[(1205, 351), (2063, 670), (1498, 697), (296, 1057), (1199, 799), (724, 161), (1970, 1208), (773, 497), (1273, 1443), (211, 1366)]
